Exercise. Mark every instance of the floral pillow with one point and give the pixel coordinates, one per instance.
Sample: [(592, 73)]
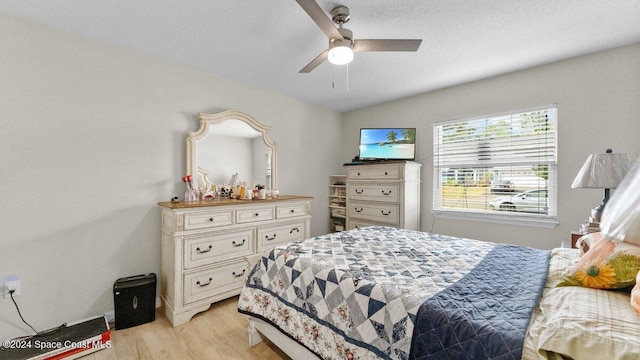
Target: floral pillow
[(606, 265), (635, 296)]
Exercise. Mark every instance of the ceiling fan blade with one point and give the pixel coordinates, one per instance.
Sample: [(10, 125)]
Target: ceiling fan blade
[(315, 62), (386, 44), (320, 18)]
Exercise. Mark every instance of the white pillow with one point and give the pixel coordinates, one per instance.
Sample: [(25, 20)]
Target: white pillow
[(585, 323)]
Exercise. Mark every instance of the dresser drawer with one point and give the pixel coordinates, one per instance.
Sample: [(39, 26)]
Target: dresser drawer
[(209, 249), (382, 213), (207, 219), (255, 214), (292, 210), (374, 173), (205, 283), (270, 236), (356, 224), (385, 193)]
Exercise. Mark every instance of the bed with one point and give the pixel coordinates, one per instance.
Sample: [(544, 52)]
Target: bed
[(386, 293)]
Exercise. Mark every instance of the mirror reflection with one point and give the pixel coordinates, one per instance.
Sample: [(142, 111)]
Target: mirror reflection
[(231, 147)]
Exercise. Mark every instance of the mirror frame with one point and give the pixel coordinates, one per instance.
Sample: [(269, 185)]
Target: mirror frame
[(206, 120)]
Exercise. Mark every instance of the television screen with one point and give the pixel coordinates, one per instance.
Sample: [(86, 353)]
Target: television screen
[(387, 144)]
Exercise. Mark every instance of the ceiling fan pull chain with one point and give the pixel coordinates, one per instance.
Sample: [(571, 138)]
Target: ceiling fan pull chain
[(347, 79), (333, 79)]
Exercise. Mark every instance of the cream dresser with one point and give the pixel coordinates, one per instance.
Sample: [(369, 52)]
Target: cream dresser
[(204, 245), (386, 193)]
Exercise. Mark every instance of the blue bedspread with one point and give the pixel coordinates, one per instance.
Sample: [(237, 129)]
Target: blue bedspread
[(486, 314), (361, 294)]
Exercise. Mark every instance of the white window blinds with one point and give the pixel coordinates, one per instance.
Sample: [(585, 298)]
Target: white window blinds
[(501, 164)]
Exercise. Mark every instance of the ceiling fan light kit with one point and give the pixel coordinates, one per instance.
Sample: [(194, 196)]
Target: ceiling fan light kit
[(340, 52), (341, 42)]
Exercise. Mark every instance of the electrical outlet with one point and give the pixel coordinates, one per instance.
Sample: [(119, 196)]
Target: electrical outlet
[(11, 282)]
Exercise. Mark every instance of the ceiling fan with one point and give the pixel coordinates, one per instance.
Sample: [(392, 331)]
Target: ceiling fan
[(341, 42)]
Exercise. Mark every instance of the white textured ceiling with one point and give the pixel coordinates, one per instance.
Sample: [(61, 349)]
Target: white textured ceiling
[(266, 43)]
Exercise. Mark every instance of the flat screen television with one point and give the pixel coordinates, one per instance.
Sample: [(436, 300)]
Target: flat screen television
[(387, 144)]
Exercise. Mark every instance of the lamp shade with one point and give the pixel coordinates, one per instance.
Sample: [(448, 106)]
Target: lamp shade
[(603, 171), (621, 217)]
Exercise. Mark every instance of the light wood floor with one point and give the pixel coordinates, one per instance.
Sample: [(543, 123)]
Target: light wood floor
[(218, 333)]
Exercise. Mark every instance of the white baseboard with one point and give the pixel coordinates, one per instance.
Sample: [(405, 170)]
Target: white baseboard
[(111, 316)]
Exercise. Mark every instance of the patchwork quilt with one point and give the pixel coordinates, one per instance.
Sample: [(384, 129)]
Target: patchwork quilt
[(380, 292)]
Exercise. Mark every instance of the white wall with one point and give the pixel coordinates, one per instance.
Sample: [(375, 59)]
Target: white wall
[(598, 99), (91, 138)]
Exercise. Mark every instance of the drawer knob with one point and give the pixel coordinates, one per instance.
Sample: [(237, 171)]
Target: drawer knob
[(205, 284), (292, 211), (358, 210), (385, 193), (386, 173), (269, 239), (386, 213), (203, 251), (238, 245), (256, 214), (359, 192), (294, 229), (211, 219), (358, 174), (239, 275)]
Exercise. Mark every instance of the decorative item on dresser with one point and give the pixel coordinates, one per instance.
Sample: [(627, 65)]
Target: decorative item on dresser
[(383, 193), (205, 243)]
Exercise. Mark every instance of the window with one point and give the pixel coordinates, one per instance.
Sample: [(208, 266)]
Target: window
[(497, 168)]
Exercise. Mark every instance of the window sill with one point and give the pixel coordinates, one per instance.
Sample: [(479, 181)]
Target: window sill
[(542, 222)]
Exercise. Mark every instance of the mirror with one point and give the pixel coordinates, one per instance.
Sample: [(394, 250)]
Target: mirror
[(230, 143)]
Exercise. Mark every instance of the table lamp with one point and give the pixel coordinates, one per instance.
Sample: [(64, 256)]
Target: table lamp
[(602, 171), (621, 218)]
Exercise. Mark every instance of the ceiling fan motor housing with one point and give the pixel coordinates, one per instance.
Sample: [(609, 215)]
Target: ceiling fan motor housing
[(346, 33), (347, 40), (340, 15)]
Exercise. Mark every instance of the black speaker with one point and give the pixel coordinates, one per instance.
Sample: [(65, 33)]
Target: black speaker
[(134, 299)]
